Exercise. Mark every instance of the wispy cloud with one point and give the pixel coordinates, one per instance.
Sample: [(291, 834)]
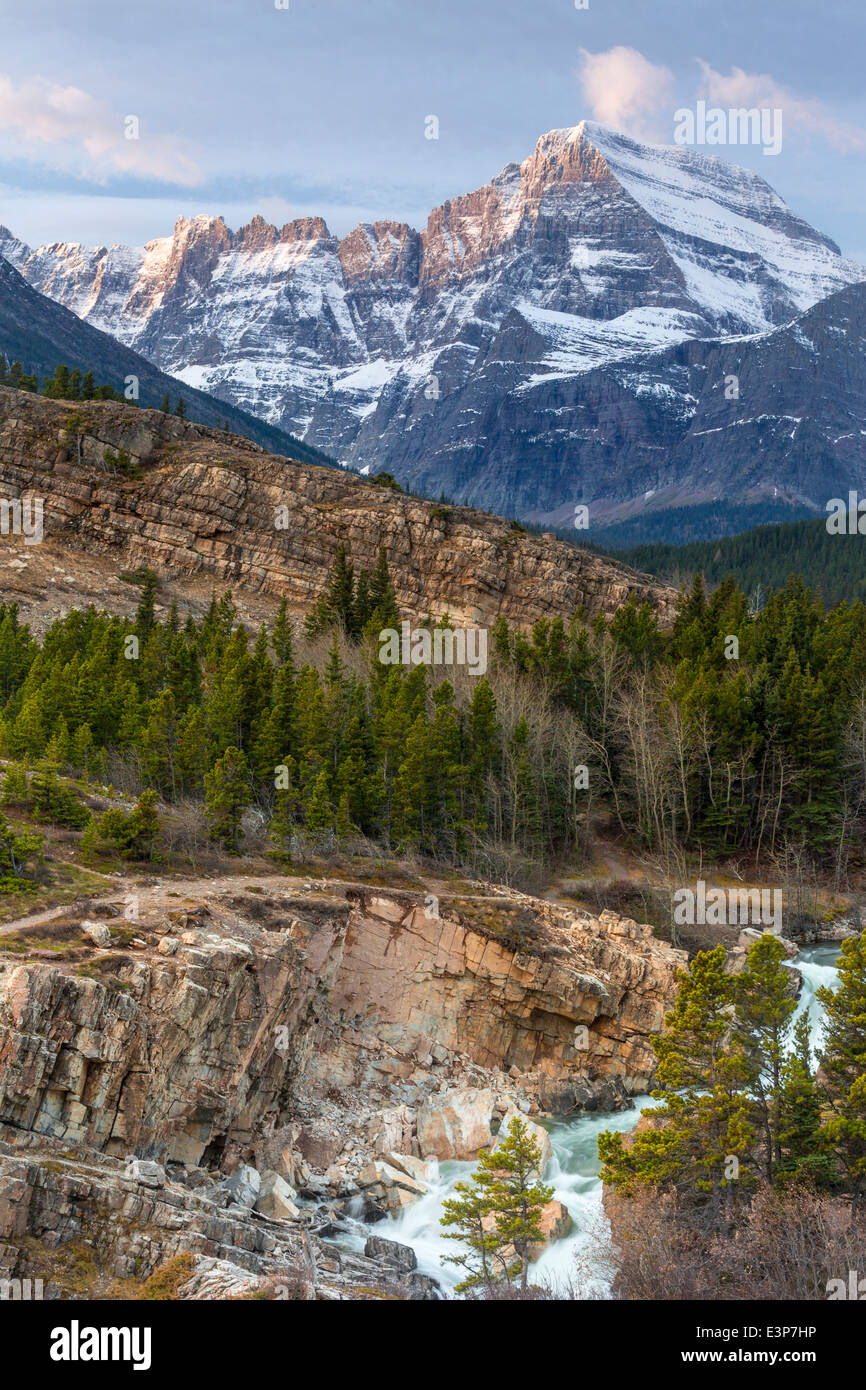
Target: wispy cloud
[(624, 89), (741, 88), (74, 131)]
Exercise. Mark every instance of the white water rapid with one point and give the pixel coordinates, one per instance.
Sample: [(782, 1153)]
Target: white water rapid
[(574, 1173)]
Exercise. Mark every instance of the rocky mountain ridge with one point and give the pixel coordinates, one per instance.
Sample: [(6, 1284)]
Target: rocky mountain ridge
[(549, 339), (41, 334), (212, 511)]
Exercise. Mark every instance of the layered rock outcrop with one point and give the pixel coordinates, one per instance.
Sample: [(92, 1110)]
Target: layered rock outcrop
[(216, 510), (302, 1054), (198, 1055)]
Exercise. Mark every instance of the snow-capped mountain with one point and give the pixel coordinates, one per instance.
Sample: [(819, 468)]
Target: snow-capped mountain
[(545, 340)]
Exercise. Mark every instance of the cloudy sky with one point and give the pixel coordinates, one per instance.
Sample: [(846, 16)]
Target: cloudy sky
[(322, 106)]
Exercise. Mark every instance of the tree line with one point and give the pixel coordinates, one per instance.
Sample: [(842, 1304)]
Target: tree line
[(688, 746), (65, 384)]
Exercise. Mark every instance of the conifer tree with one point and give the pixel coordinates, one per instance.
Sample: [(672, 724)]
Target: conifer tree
[(16, 787), (843, 1064), (16, 849), (384, 611), (145, 613), (764, 1004), (804, 1148), (192, 750), (284, 821), (281, 637), (703, 1133), (497, 1213), (227, 795)]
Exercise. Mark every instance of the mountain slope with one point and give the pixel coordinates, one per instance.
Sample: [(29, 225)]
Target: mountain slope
[(765, 558), (204, 515), (40, 334), (548, 339)]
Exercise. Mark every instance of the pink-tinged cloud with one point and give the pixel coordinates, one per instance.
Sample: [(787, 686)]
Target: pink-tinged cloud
[(624, 89), (85, 135), (806, 114)]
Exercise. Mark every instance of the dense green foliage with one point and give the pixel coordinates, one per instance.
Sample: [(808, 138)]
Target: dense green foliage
[(687, 746), (63, 385), (17, 848), (765, 558), (843, 1064), (740, 1100)]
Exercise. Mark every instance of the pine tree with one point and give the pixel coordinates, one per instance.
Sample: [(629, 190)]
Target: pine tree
[(498, 1213), (843, 1064), (16, 787), (281, 638), (702, 1135), (763, 1005), (191, 758), (805, 1154), (16, 848), (384, 611), (165, 406), (227, 795), (318, 808), (484, 739), (180, 408), (145, 613), (144, 827), (341, 591), (284, 822), (525, 814)]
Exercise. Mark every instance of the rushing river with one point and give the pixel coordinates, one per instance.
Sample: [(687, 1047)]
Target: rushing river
[(574, 1174)]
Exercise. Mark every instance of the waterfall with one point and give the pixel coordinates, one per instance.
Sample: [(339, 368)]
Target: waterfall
[(574, 1173)]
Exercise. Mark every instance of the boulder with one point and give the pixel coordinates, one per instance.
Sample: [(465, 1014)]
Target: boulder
[(392, 1130), (388, 1187), (456, 1124), (143, 1171), (98, 932), (416, 1168), (275, 1197), (243, 1186), (554, 1222), (391, 1252), (319, 1145)]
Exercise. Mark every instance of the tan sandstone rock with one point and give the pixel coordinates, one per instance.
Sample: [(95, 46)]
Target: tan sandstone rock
[(456, 1124)]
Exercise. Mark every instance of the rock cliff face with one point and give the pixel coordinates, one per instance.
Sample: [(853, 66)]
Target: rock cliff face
[(198, 1034), (548, 339), (317, 1032), (213, 510)]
